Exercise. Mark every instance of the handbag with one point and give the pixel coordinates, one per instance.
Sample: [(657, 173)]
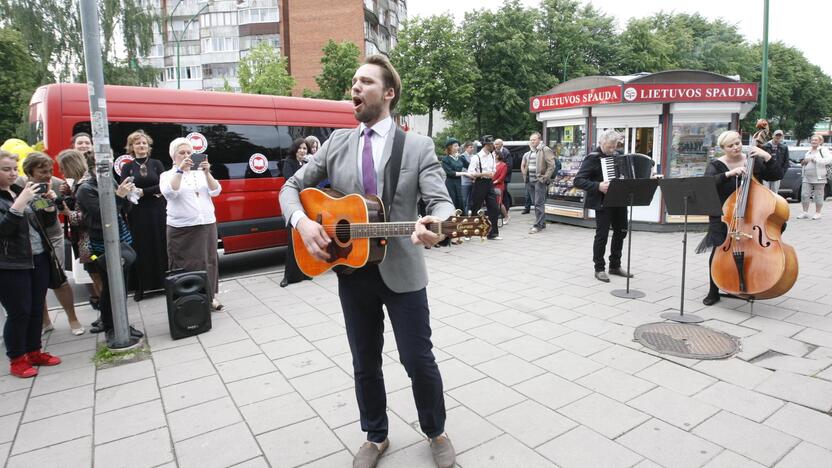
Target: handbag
[(57, 277)]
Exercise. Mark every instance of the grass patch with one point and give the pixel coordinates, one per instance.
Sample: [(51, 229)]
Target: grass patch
[(105, 358)]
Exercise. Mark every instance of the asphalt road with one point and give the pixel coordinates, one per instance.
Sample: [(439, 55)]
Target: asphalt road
[(231, 266)]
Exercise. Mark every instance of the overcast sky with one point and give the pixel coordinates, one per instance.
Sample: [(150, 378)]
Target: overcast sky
[(803, 24)]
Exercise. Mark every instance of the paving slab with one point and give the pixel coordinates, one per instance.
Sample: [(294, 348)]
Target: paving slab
[(805, 455), (486, 396), (532, 423), (128, 394), (551, 390), (729, 459), (604, 415), (508, 370), (677, 378), (51, 431), (300, 443), (54, 404), (583, 448), (750, 439), (740, 401), (616, 384), (501, 452), (129, 421), (812, 392), (679, 410), (77, 452), (220, 448), (202, 418), (804, 423), (668, 445)]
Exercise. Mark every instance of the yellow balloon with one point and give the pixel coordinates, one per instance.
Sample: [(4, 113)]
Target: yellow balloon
[(20, 148)]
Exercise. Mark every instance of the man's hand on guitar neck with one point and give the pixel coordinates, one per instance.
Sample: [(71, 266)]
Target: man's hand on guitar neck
[(314, 237), (421, 235)]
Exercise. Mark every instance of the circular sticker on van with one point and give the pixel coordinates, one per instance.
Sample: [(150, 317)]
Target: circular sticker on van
[(258, 163), (120, 162), (198, 141)]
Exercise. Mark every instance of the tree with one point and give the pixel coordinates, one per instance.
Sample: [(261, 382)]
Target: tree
[(52, 31), (510, 54), (338, 65), (437, 71), (17, 81), (263, 71), (798, 91), (581, 40)]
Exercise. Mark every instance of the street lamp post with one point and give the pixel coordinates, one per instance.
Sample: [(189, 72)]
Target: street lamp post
[(764, 84), (178, 39)]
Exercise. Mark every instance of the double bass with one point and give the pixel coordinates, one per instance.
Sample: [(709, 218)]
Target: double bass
[(754, 262)]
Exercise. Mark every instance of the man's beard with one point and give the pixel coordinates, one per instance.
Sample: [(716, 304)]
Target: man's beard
[(369, 112)]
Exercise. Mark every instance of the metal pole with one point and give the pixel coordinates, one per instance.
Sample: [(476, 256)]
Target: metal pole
[(684, 260), (764, 85), (629, 240), (177, 59), (103, 171)]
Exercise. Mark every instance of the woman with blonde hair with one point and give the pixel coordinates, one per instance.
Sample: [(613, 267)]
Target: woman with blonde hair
[(191, 223), (728, 170), (147, 217)]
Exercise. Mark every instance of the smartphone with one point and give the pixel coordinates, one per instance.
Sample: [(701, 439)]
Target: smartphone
[(41, 188), (197, 158)]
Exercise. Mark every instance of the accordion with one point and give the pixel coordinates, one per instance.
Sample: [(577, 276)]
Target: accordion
[(628, 166)]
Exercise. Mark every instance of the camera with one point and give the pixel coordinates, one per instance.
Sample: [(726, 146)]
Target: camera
[(60, 200), (41, 188)]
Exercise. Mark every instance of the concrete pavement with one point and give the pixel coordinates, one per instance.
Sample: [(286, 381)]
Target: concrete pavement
[(537, 358)]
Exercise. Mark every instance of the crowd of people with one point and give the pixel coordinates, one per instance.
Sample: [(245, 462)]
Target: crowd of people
[(165, 222)]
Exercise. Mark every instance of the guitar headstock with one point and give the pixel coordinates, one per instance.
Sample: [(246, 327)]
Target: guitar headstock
[(466, 226)]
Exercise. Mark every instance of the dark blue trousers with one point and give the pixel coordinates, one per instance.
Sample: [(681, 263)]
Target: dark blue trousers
[(23, 293), (362, 295)]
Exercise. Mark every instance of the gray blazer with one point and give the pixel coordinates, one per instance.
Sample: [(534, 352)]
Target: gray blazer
[(403, 268)]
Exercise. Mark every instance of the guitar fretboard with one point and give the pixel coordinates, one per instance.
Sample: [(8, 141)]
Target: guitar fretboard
[(373, 230)]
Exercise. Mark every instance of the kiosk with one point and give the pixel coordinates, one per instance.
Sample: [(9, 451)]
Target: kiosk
[(674, 117)]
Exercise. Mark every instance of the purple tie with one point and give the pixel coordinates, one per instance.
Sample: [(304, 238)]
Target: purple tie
[(367, 164)]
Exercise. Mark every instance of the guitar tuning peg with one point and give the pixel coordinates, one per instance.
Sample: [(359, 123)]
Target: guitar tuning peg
[(458, 212)]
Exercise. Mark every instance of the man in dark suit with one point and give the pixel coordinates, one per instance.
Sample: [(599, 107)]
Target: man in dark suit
[(591, 180), (355, 161)]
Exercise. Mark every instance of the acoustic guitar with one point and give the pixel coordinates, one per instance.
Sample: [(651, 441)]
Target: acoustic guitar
[(358, 228)]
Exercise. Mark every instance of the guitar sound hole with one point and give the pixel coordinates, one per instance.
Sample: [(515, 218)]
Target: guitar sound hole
[(342, 231)]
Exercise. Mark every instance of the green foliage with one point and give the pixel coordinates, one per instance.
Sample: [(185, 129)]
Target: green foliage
[(263, 71), (580, 40), (52, 31), (338, 65), (226, 88), (798, 91), (17, 81), (510, 54), (437, 71)]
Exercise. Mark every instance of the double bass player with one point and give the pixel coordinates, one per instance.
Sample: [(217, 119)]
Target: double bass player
[(727, 171)]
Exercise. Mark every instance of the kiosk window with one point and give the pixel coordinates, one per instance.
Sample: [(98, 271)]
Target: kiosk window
[(693, 146)]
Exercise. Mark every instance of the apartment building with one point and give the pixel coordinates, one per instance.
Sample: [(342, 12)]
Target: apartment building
[(212, 35)]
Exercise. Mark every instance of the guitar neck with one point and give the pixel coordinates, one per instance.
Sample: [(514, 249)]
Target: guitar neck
[(375, 230)]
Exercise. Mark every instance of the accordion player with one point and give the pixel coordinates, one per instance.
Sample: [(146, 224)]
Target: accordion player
[(628, 166)]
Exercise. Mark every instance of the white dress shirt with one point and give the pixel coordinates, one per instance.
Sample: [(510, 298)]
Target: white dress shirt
[(379, 138), (488, 161), (191, 205)]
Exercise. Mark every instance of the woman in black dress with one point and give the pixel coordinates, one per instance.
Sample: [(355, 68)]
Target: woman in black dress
[(296, 159), (147, 219), (728, 170)]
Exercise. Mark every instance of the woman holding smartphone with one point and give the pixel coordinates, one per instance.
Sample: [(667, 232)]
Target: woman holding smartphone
[(24, 271), (191, 223)]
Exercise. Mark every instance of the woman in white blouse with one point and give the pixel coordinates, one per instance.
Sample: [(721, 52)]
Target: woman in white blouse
[(815, 167), (191, 224)]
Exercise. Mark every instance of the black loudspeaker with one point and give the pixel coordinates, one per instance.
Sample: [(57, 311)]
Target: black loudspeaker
[(189, 303)]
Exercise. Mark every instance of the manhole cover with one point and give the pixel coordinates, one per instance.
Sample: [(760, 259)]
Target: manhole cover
[(687, 340)]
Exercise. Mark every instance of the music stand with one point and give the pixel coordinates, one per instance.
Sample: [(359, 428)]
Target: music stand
[(629, 193), (689, 196)]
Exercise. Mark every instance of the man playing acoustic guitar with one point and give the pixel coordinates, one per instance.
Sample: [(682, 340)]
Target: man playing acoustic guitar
[(356, 161)]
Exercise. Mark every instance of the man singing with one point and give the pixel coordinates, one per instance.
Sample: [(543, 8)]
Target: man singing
[(591, 180), (355, 161)]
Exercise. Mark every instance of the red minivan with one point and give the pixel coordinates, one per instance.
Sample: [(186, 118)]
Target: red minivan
[(240, 130)]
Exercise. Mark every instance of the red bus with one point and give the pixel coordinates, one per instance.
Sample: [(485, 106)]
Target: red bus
[(237, 128)]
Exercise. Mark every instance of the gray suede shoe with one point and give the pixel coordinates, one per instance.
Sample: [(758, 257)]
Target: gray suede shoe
[(369, 453), (443, 451)]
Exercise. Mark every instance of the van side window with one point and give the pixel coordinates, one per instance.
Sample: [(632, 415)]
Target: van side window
[(230, 147)]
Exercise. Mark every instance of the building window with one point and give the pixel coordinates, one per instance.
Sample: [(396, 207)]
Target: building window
[(370, 48), (249, 42), (219, 44), (156, 50), (185, 73), (258, 15), (370, 5)]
